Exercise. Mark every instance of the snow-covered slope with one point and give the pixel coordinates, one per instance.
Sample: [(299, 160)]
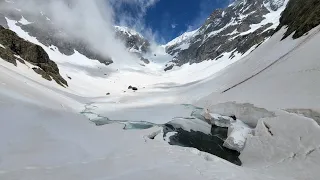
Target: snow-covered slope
[(182, 38), (47, 141), (273, 90)]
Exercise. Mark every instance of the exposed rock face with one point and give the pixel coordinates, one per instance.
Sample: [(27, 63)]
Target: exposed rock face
[(134, 41), (236, 29), (16, 48), (146, 61), (168, 67), (300, 16)]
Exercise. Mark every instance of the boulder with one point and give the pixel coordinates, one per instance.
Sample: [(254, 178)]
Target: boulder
[(146, 61), (168, 68)]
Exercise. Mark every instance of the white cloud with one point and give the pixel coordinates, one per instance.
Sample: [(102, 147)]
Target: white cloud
[(90, 21), (135, 20), (173, 26)]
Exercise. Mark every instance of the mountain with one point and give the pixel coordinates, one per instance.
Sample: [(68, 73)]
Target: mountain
[(239, 28), (13, 49), (48, 35), (297, 20), (41, 27), (134, 41), (255, 116)]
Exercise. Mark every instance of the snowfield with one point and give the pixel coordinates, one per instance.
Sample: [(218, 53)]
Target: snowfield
[(45, 137)]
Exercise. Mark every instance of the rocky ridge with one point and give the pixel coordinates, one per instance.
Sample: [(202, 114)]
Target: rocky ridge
[(134, 41), (14, 48), (300, 17), (240, 27)]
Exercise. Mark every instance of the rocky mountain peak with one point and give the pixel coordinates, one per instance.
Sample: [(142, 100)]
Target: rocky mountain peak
[(276, 4), (133, 40), (230, 31)]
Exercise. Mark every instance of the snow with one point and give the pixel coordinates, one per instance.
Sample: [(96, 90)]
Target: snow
[(237, 136), (221, 121), (50, 140), (213, 33), (193, 124), (183, 46), (2, 46), (48, 144), (275, 59), (78, 67), (91, 81), (24, 21), (238, 131), (184, 37), (272, 17), (223, 14)]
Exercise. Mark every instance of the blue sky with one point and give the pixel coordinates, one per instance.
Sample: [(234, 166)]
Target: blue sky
[(165, 19)]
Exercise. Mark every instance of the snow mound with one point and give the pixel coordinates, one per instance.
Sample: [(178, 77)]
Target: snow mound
[(238, 132)]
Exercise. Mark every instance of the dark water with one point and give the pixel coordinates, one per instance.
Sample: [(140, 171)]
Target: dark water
[(212, 143)]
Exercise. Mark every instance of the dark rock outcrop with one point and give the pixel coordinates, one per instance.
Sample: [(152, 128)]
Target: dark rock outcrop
[(146, 61), (300, 16), (17, 48), (168, 67), (133, 88), (133, 40)]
